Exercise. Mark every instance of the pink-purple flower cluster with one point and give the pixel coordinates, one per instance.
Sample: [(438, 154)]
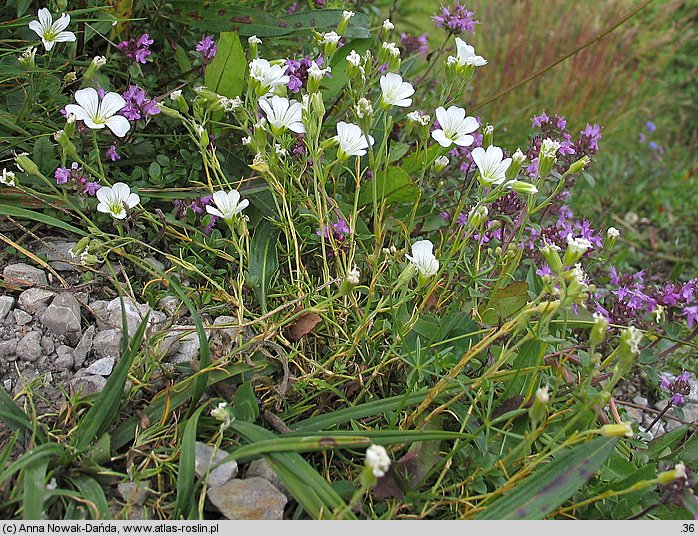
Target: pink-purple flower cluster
[(679, 388), (339, 232), (297, 71), (208, 48), (198, 207), (76, 176), (111, 153), (414, 44), (137, 50), (456, 20), (138, 105)]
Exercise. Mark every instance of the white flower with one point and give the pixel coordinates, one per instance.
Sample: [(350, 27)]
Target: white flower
[(269, 76), (549, 148), (363, 108), (354, 58), (419, 117), (392, 49), (52, 32), (254, 40), (423, 258), (315, 71), (7, 177), (199, 129), (455, 127), (98, 114), (228, 205), (395, 91), (229, 104), (329, 37), (491, 164), (633, 336), (352, 142), (612, 232), (282, 114), (542, 395), (58, 134), (578, 246), (387, 25), (221, 414), (346, 15), (278, 149), (247, 140), (99, 61), (116, 199), (518, 157), (354, 276), (27, 57), (175, 94), (199, 89), (465, 54), (658, 313), (377, 460), (441, 162)]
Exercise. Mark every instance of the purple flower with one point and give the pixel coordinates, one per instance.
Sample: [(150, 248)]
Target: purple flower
[(208, 48), (62, 175), (591, 135), (691, 314), (91, 188), (297, 71), (544, 270), (413, 44), (538, 121), (112, 154), (137, 49), (455, 20), (138, 105), (650, 126), (679, 388), (211, 224)]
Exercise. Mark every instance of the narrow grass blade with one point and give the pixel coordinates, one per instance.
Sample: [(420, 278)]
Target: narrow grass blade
[(106, 407), (547, 488), (297, 444), (34, 483), (18, 212), (93, 493), (187, 459), (15, 418), (41, 452)]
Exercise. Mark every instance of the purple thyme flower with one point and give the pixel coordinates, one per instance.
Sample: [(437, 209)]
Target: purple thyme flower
[(590, 137), (208, 48), (91, 188), (691, 314), (679, 388), (62, 175), (413, 44), (456, 20), (137, 49), (138, 105), (650, 126), (297, 71), (112, 154)]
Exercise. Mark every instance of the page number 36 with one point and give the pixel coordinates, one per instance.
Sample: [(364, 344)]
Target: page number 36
[(687, 527)]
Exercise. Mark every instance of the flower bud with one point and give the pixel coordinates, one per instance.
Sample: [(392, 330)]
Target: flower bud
[(576, 248), (612, 235), (523, 187), (579, 165), (517, 160), (552, 257), (539, 407), (342, 26), (27, 165), (254, 43), (364, 114), (615, 430), (92, 68), (488, 136), (547, 156), (667, 477), (440, 163), (350, 281), (169, 112), (598, 330), (478, 216)]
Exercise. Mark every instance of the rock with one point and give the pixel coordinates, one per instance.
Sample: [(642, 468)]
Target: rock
[(155, 264), (134, 492), (181, 346), (99, 309), (24, 275), (29, 348), (133, 311), (47, 344), (263, 470), (107, 343), (33, 300), (669, 426), (84, 346), (252, 498), (102, 367), (7, 384), (22, 318), (641, 401), (64, 360), (88, 385), (62, 317), (8, 349), (170, 304), (57, 252), (221, 474), (6, 304)]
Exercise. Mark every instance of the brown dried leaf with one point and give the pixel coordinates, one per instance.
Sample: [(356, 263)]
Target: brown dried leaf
[(303, 325)]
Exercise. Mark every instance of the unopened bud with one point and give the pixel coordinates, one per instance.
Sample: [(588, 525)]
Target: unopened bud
[(615, 430), (517, 160), (27, 165), (488, 136), (552, 257), (579, 165)]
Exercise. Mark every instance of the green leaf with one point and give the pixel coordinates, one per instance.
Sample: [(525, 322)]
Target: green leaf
[(392, 186), (15, 418), (264, 260), (43, 156), (18, 212), (182, 59), (505, 301), (551, 485), (93, 493), (226, 73), (34, 484), (187, 461), (245, 403)]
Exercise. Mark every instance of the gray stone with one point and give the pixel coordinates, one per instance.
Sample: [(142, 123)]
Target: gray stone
[(170, 304), (64, 361), (47, 344), (252, 498), (155, 264), (62, 317), (635, 414), (8, 349), (102, 367), (6, 304), (7, 384), (641, 401), (57, 252), (22, 318), (88, 385), (670, 425), (29, 348), (181, 346), (99, 309), (33, 300), (203, 462), (107, 343), (134, 493), (24, 275), (133, 311), (262, 469), (84, 346)]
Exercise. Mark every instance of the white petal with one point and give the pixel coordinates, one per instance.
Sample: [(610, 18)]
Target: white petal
[(243, 205), (102, 206), (121, 191), (132, 200), (298, 128), (104, 195), (233, 197), (111, 103), (48, 44), (464, 141), (119, 215), (478, 156), (45, 18), (89, 123), (35, 25), (220, 198), (213, 211), (89, 100), (440, 137), (119, 125), (78, 111), (61, 23), (65, 37), (495, 153), (265, 106)]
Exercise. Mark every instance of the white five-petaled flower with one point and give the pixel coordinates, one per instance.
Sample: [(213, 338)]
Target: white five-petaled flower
[(52, 32), (116, 200), (315, 71), (465, 55), (419, 117), (549, 148), (269, 76), (98, 114), (254, 40), (352, 141), (329, 38), (392, 49), (283, 114), (346, 15), (612, 232), (387, 25), (228, 205), (455, 127), (27, 57), (7, 178), (377, 460), (423, 258), (354, 58), (491, 164), (395, 91)]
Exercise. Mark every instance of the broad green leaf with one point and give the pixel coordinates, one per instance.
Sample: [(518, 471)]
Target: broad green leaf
[(31, 456), (43, 156), (226, 73), (552, 484), (245, 403), (34, 482), (93, 493), (505, 301), (264, 260), (392, 186), (182, 59), (18, 212)]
